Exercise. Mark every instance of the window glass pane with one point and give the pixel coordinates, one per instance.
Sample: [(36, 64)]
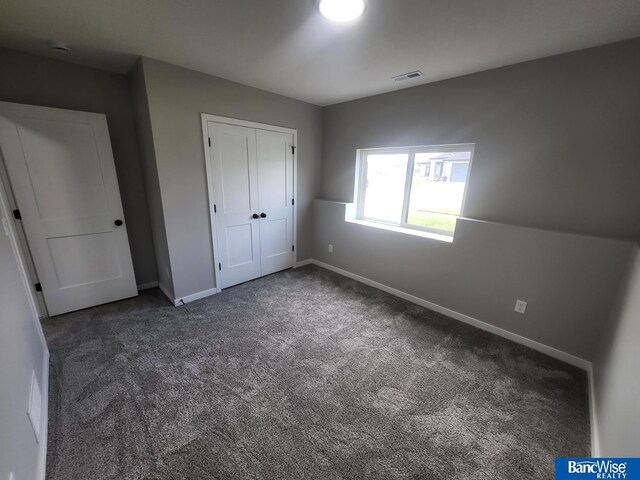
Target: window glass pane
[(437, 188), (384, 186)]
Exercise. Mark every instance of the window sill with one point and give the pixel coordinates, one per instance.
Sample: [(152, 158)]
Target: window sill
[(406, 231)]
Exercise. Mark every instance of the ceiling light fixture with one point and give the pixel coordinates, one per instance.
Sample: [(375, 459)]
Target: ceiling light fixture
[(341, 10)]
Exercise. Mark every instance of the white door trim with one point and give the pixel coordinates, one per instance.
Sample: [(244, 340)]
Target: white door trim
[(11, 229), (205, 118), (21, 239)]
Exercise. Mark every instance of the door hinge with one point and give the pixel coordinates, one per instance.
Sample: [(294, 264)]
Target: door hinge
[(293, 248), (293, 149), (17, 215), (209, 141), (215, 209), (38, 287), (219, 266), (293, 201)]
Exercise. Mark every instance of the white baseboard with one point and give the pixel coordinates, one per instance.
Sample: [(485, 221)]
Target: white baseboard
[(44, 420), (309, 261), (195, 296), (547, 350), (147, 286), (593, 417), (189, 298)]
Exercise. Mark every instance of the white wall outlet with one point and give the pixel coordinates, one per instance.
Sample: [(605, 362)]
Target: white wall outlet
[(520, 306), (11, 477), (330, 248)]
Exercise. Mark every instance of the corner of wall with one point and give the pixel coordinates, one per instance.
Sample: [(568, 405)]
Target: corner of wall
[(608, 385), (144, 129)]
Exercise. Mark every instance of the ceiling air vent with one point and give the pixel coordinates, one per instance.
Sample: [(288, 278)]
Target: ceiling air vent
[(408, 76)]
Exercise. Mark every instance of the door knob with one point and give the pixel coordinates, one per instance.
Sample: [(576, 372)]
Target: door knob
[(263, 215), (255, 215), (117, 223)]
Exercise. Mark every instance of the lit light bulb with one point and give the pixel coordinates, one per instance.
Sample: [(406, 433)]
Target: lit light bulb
[(341, 10)]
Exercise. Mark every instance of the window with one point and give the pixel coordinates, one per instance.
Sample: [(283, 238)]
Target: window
[(419, 188)]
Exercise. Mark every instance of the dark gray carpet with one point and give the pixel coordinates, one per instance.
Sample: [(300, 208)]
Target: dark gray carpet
[(302, 374)]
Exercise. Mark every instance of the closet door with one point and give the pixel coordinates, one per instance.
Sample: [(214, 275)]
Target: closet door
[(234, 171), (275, 198)]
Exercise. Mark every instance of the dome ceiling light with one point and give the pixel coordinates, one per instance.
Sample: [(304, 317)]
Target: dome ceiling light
[(341, 11)]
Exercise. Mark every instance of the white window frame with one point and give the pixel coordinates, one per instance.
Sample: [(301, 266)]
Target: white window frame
[(361, 176)]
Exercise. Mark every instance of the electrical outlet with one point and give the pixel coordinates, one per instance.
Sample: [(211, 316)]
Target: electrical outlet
[(330, 248), (521, 306), (11, 477)]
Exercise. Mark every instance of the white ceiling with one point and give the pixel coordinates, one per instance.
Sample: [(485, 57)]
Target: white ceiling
[(285, 46)]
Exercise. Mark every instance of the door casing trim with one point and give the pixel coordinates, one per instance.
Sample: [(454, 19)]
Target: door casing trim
[(14, 239), (205, 119)]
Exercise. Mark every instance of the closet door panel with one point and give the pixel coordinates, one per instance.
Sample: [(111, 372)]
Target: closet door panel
[(234, 171), (275, 195)]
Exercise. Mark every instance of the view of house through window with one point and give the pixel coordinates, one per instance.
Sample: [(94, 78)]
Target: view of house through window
[(415, 187)]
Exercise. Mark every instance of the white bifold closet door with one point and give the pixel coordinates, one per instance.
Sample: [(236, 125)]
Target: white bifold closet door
[(63, 178), (252, 172)]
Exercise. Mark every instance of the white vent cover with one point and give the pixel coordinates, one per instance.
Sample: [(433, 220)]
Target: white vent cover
[(34, 410), (408, 76)]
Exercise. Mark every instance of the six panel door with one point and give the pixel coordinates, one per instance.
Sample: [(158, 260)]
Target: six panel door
[(63, 177)]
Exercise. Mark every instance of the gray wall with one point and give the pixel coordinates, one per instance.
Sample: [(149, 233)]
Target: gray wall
[(556, 139), (22, 351), (142, 120), (556, 150), (568, 280), (176, 98), (615, 372), (35, 80)]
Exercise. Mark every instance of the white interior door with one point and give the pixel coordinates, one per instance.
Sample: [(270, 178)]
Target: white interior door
[(275, 198), (62, 173), (234, 170)]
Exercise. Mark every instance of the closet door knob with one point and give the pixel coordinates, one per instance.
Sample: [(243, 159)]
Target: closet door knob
[(117, 223), (255, 215), (263, 215)]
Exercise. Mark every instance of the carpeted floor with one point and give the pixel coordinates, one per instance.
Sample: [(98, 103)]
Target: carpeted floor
[(304, 375)]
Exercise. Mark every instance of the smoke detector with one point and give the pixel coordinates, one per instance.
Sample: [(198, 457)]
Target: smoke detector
[(408, 76), (60, 47)]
